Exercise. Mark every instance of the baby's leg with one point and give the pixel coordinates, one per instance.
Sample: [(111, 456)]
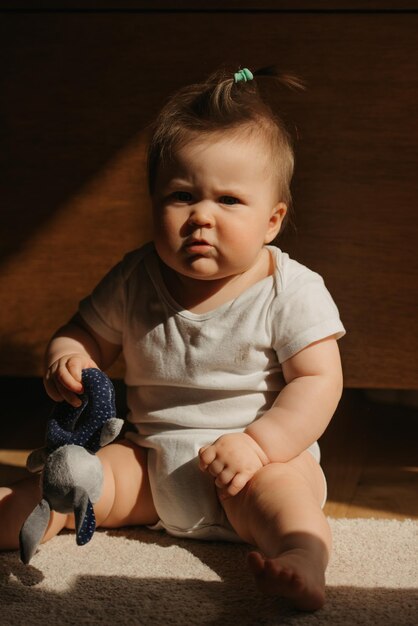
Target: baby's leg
[(125, 501), (279, 511)]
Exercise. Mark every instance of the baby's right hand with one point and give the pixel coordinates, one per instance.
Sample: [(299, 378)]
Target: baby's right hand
[(63, 378)]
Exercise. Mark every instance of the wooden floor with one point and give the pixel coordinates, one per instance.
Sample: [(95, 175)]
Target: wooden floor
[(369, 452), (370, 458)]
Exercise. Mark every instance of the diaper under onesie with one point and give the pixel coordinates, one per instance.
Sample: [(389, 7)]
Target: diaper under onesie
[(194, 377), (185, 497)]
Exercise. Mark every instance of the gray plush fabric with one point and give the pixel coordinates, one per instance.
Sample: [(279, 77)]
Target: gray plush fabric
[(69, 467)]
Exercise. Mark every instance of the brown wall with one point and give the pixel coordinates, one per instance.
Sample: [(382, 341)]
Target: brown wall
[(79, 88)]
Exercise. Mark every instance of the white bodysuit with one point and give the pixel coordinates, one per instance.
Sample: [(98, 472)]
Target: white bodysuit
[(193, 377)]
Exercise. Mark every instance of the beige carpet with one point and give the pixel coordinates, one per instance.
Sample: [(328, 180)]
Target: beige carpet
[(137, 576)]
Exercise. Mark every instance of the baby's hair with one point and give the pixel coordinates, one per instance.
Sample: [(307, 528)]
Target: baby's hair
[(219, 103)]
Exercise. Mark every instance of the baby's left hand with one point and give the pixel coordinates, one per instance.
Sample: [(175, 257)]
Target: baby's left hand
[(233, 460)]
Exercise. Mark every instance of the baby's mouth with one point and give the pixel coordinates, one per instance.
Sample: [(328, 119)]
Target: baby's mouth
[(197, 246)]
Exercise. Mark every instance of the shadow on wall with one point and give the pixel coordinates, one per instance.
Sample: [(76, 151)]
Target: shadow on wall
[(53, 268), (69, 106), (74, 193), (78, 89)]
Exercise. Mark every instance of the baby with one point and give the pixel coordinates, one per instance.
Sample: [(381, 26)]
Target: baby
[(232, 365)]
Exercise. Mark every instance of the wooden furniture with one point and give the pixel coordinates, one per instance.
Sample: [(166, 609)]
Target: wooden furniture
[(375, 476), (80, 87)]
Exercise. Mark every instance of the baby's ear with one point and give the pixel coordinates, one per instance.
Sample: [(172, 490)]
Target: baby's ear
[(277, 216)]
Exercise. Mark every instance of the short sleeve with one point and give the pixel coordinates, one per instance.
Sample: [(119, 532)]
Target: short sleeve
[(103, 309), (304, 312)]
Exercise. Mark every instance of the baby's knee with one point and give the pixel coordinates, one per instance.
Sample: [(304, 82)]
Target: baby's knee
[(302, 476), (271, 481), (271, 473)]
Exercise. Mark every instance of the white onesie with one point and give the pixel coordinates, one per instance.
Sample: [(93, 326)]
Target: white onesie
[(193, 377)]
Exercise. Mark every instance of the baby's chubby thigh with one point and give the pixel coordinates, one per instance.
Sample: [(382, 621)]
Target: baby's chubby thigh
[(278, 493), (126, 498)]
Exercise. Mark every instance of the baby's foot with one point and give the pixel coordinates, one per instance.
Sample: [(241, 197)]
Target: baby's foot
[(293, 575)]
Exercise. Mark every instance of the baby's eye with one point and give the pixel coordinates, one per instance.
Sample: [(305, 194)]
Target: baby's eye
[(229, 200), (182, 196)]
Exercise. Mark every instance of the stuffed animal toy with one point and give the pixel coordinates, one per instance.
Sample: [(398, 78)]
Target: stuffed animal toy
[(72, 476)]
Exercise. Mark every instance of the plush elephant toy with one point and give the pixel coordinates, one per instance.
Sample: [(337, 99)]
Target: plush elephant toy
[(72, 477)]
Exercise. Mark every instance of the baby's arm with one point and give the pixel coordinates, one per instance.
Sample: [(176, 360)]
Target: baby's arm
[(298, 417), (74, 347), (305, 406)]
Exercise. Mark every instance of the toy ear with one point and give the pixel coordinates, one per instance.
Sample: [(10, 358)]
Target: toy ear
[(110, 430), (85, 520), (33, 530)]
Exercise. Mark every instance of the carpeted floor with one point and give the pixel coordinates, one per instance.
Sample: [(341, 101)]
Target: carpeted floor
[(136, 576)]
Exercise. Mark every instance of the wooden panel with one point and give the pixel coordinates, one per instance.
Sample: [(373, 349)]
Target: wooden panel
[(79, 90), (377, 474), (211, 5)]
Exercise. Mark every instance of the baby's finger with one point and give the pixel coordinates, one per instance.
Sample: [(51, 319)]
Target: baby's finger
[(216, 467), (224, 478), (58, 392), (51, 389), (237, 483), (74, 367), (207, 455), (68, 395), (64, 378)]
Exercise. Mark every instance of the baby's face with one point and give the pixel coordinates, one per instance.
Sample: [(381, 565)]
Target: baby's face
[(215, 206)]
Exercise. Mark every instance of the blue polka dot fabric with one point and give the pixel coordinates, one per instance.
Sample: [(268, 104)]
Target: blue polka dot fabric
[(86, 532), (82, 426)]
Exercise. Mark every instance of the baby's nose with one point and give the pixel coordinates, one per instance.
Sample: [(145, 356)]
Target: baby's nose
[(200, 215)]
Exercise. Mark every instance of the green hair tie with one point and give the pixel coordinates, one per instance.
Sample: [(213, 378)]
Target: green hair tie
[(243, 75)]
